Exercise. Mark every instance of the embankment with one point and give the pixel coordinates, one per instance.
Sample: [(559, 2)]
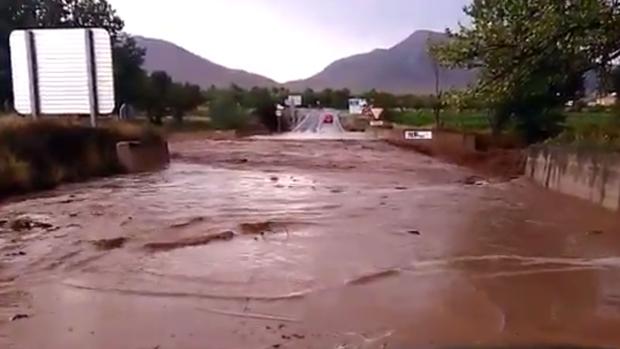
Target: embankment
[(501, 158), (588, 174), (37, 155)]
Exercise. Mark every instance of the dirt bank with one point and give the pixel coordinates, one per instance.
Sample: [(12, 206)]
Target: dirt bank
[(38, 155), (315, 244)]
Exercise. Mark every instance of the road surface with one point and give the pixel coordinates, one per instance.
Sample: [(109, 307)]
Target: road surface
[(291, 244)]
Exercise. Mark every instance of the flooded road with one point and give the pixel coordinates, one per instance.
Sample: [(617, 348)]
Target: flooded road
[(316, 244)]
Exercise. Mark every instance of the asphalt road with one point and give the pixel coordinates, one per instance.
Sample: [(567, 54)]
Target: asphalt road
[(314, 121)]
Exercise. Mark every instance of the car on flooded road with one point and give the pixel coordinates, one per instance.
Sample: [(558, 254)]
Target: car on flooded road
[(328, 119)]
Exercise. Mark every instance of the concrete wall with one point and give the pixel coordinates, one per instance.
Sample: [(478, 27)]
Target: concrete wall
[(593, 176), (139, 157)]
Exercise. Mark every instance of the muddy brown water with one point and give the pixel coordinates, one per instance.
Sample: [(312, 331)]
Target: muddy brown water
[(288, 244)]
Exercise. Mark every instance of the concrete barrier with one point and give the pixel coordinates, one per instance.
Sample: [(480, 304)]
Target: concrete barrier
[(139, 157), (590, 175)]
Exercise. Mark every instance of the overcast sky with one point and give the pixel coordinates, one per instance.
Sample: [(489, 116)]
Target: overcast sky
[(285, 39)]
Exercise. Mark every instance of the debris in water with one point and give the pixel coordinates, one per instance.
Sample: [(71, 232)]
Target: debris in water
[(414, 232), (190, 242), (19, 317), (109, 244), (274, 178), (192, 221), (22, 224), (595, 232), (474, 180), (276, 346), (256, 228), (401, 188), (16, 254), (285, 337), (299, 336), (281, 326)]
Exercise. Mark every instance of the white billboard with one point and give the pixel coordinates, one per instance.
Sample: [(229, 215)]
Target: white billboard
[(62, 71), (294, 101)]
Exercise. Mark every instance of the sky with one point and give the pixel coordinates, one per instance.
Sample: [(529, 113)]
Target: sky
[(285, 39)]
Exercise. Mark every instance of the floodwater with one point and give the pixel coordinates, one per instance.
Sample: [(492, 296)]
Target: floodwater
[(306, 244)]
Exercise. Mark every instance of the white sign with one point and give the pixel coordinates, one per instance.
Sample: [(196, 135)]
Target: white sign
[(357, 105), (294, 101), (418, 135), (62, 71)]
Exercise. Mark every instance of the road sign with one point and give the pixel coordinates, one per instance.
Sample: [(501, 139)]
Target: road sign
[(376, 113), (418, 135), (62, 71), (294, 101)]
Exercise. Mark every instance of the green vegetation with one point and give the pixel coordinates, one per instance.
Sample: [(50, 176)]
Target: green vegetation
[(532, 57), (469, 120), (41, 154)]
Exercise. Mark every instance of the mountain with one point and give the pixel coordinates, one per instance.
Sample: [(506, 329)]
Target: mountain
[(404, 68), (184, 66)]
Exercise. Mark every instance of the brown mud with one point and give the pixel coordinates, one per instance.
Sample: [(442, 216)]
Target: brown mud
[(355, 244)]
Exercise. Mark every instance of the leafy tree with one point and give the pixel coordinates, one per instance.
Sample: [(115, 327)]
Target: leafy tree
[(128, 73), (155, 97), (184, 98), (227, 114), (530, 53), (310, 97), (615, 78)]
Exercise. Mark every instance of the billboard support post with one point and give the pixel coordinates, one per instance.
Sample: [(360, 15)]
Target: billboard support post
[(31, 56), (92, 77)]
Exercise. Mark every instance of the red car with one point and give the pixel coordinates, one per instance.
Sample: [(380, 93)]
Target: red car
[(328, 119)]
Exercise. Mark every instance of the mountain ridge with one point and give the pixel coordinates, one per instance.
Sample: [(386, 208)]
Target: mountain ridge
[(406, 67), (185, 66)]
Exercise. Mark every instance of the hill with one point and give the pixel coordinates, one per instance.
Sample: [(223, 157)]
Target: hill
[(405, 68), (185, 66)]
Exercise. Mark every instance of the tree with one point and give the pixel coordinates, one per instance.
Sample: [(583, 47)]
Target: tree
[(310, 98), (184, 98), (128, 73), (155, 99), (615, 78), (15, 14), (530, 53), (226, 113)]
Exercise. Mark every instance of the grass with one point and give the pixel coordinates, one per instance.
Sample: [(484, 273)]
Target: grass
[(591, 130), (41, 154), (470, 120)]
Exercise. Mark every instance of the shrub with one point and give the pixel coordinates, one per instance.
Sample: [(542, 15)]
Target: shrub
[(41, 154), (227, 114)]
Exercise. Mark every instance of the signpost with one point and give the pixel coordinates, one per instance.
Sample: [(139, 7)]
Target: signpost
[(418, 135), (294, 101), (62, 71)]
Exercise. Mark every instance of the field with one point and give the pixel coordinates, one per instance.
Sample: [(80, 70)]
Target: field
[(474, 120)]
